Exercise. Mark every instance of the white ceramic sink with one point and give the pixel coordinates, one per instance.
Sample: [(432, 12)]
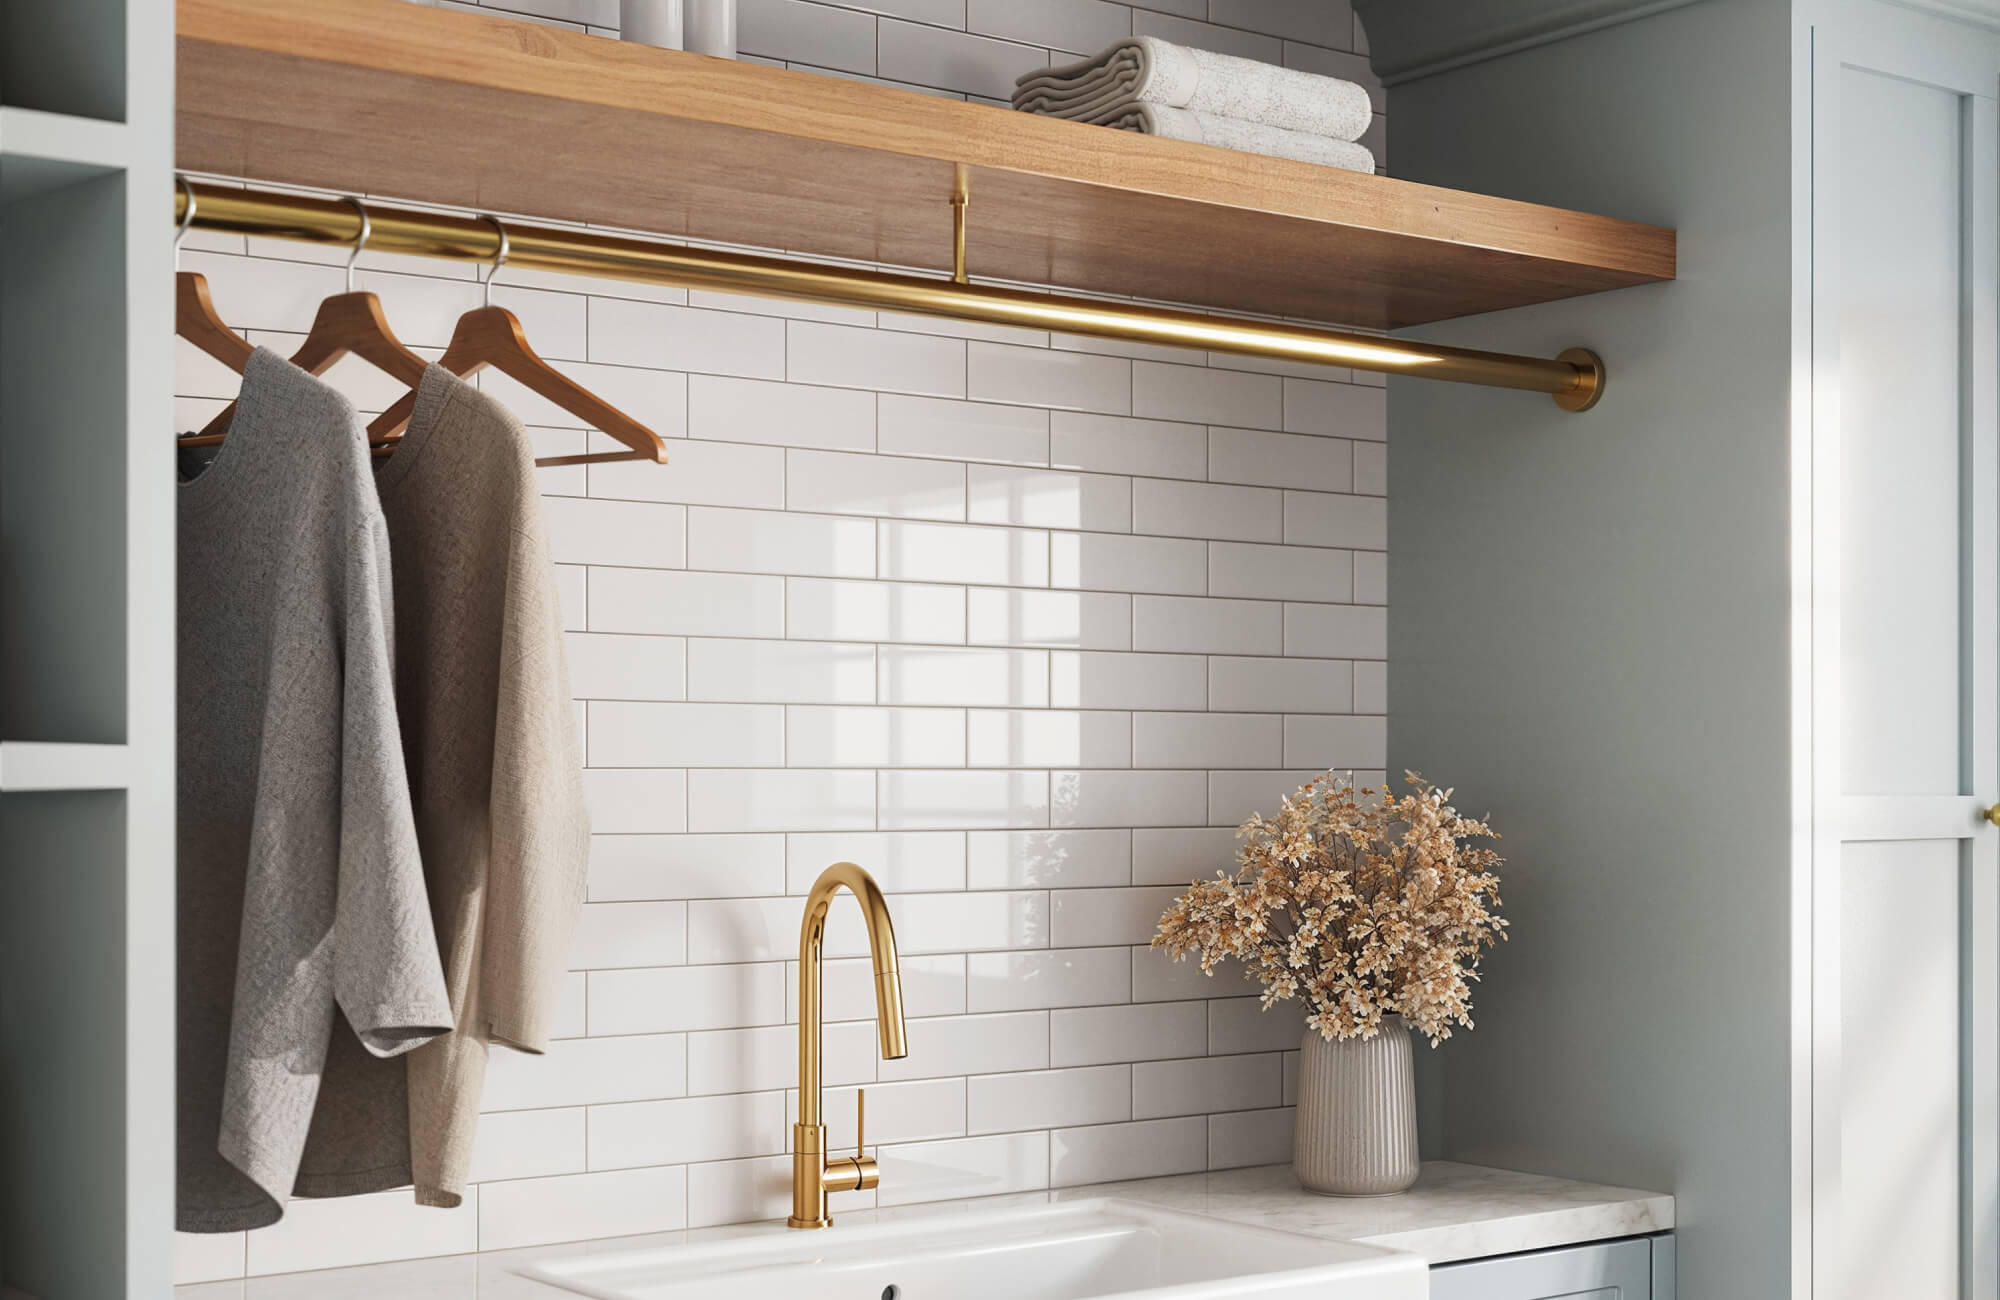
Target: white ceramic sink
[(1076, 1250)]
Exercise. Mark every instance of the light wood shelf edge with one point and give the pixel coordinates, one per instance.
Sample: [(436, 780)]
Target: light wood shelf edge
[(327, 93)]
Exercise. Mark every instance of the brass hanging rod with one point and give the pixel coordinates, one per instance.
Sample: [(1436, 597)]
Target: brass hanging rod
[(1575, 379)]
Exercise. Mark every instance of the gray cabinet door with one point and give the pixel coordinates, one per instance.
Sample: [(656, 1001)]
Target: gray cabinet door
[(1618, 1270)]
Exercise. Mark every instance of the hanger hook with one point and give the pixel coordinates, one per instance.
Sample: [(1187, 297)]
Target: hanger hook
[(360, 240), (187, 216), (499, 255)]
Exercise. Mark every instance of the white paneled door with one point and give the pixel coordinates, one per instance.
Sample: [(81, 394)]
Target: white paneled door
[(1902, 886)]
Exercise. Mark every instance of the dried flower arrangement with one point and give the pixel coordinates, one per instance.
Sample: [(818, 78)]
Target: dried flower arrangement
[(1364, 906)]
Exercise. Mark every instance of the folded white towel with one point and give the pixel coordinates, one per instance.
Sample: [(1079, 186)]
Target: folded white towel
[(1148, 70), (1244, 137)]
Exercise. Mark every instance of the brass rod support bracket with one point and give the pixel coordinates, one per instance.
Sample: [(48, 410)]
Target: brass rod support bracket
[(961, 199)]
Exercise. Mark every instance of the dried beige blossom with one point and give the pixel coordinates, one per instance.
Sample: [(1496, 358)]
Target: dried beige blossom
[(1361, 904)]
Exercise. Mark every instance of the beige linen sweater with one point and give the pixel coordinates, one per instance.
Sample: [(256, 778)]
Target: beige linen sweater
[(489, 735)]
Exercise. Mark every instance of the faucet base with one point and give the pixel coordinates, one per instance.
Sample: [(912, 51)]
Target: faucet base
[(827, 1222)]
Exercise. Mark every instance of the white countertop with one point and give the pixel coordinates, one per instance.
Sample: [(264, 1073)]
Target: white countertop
[(1454, 1212)]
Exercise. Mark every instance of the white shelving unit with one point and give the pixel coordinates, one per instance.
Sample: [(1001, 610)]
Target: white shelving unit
[(86, 649)]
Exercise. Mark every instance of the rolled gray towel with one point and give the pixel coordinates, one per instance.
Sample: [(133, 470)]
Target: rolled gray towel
[(1147, 70), (1244, 137)]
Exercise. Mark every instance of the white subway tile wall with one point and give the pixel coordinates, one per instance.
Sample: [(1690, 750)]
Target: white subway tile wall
[(1023, 624)]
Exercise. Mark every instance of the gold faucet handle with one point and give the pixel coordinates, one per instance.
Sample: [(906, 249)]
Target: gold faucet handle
[(864, 1164)]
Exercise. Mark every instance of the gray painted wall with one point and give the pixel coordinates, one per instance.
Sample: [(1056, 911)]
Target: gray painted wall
[(1588, 631)]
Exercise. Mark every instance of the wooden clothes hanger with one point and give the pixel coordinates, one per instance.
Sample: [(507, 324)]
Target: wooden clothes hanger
[(195, 316), (492, 336), (348, 324)]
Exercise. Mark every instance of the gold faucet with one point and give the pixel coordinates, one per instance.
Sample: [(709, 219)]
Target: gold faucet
[(813, 1175)]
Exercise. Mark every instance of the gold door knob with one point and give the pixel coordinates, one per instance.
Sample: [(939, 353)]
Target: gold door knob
[(1993, 814)]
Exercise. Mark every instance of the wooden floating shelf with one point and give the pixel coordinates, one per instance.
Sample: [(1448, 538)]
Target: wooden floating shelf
[(409, 101)]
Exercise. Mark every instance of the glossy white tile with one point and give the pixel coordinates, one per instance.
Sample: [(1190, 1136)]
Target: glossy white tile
[(783, 414), (950, 675), (1207, 396), (923, 552), (818, 609), (835, 482), (1112, 562), (1371, 468), (701, 473), (1245, 1138), (759, 541), (1337, 743), (1371, 688), (1042, 1099), (885, 360), (1243, 1025), (630, 867), (629, 934), (1340, 410), (762, 1060), (1285, 460), (646, 734), (795, 800), (608, 667), (920, 1110), (959, 61), (1087, 918), (539, 1211), (1280, 685), (1029, 981), (636, 801), (1047, 859), (1337, 631), (1280, 572), (1184, 740), (1207, 1085), (1047, 738), (933, 985), (1174, 508), (678, 998), (1371, 578), (964, 800), (1115, 445), (900, 861), (1044, 377), (636, 533), (528, 1144), (628, 333), (818, 736), (587, 1071), (678, 603), (967, 431), (1120, 681), (1100, 1035), (983, 1166), (1327, 519), (1003, 494), (1110, 1152), (727, 1126), (1087, 620), (369, 1229), (990, 1044), (1176, 856), (1234, 796), (781, 672), (1200, 625)]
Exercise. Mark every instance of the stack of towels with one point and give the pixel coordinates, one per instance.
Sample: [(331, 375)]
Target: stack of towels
[(1150, 85)]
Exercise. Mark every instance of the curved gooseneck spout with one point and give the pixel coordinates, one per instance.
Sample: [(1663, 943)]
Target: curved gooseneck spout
[(813, 1174)]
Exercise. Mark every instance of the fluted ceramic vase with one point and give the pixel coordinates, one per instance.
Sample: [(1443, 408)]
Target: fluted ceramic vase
[(1356, 1133)]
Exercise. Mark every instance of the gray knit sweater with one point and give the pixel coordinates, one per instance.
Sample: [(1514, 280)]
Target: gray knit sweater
[(300, 887)]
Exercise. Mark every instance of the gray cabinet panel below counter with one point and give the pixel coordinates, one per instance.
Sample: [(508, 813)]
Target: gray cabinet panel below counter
[(1637, 1268)]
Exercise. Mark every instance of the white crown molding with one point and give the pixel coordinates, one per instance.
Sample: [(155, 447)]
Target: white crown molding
[(1409, 39)]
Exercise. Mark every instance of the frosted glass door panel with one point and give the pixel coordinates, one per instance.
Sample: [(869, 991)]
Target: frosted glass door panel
[(1899, 1103), (1902, 217)]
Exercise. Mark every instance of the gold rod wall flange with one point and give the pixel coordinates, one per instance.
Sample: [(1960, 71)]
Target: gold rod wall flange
[(1575, 379)]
